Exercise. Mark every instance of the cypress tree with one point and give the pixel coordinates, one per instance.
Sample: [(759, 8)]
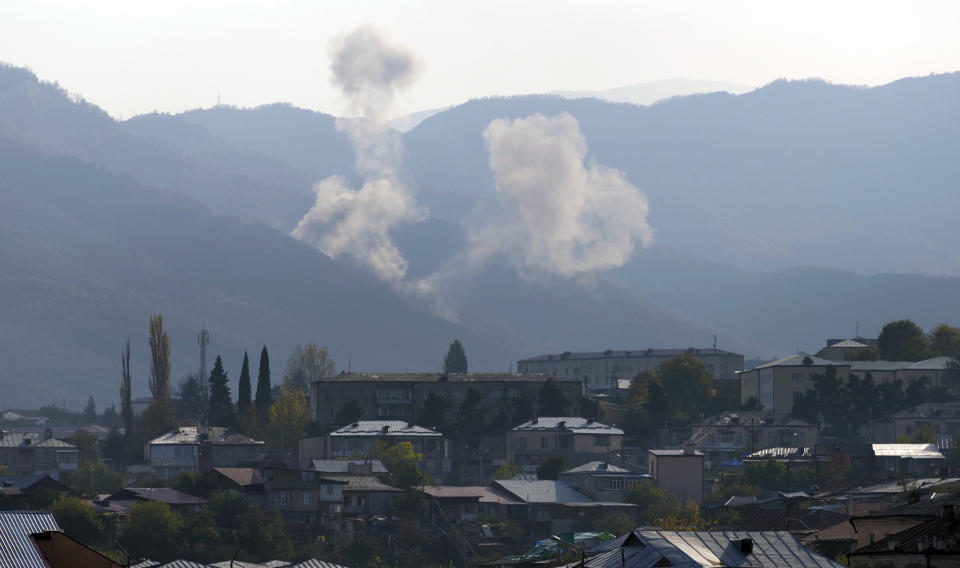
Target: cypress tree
[(221, 406), (264, 394), (243, 387)]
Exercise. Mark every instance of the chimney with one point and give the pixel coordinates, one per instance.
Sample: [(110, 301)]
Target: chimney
[(562, 425), (385, 429), (746, 546), (688, 449), (602, 466)]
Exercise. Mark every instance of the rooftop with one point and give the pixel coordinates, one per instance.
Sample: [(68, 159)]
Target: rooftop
[(574, 424), (918, 538), (384, 428), (625, 354), (166, 495), (343, 466), (242, 476), (482, 493), (754, 418), (675, 453), (708, 548), (441, 377), (802, 360), (597, 467), (363, 483), (915, 451), (31, 439), (931, 410), (16, 548), (195, 435), (877, 366), (543, 491)]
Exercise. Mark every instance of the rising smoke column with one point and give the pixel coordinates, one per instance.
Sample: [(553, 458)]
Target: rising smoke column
[(369, 70), (558, 215)]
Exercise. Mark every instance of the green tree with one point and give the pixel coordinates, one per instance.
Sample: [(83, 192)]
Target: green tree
[(770, 475), (159, 358), (402, 462), (652, 502), (307, 364), (434, 413), (506, 470), (157, 418), (469, 425), (523, 410), (456, 359), (89, 415), (550, 400), (687, 387), (152, 531), (244, 387), (945, 340), (77, 519), (221, 405), (264, 391), (126, 392), (93, 478), (288, 417), (350, 412), (264, 534), (903, 340), (191, 399), (552, 467)]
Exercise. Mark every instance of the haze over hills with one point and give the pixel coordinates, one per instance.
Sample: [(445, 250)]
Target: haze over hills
[(653, 91), (106, 222)]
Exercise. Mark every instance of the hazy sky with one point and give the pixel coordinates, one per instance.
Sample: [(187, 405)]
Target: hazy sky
[(132, 57)]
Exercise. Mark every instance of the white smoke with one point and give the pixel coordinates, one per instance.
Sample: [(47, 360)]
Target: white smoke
[(558, 216), (369, 70)]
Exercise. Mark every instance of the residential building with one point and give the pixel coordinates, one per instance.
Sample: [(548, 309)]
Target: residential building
[(729, 435), (487, 503), (579, 440), (777, 383), (60, 550), (847, 349), (37, 454), (556, 506), (177, 500), (401, 396), (933, 542), (756, 549), (602, 481), (678, 472), (195, 449), (916, 460), (941, 419), (348, 467), (16, 547), (358, 439), (246, 481), (303, 495), (600, 370), (366, 495)]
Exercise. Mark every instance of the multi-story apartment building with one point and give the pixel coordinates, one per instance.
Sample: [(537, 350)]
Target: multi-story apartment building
[(777, 383), (601, 370), (37, 454), (196, 449), (579, 440), (400, 396), (357, 439)]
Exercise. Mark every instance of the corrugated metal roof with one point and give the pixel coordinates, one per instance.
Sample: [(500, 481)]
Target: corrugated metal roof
[(598, 467), (575, 424), (240, 475), (799, 360), (16, 548), (709, 548), (362, 483), (164, 494), (343, 466), (31, 439), (384, 428), (915, 451), (182, 564), (146, 563), (449, 377), (193, 435), (316, 563), (935, 364)]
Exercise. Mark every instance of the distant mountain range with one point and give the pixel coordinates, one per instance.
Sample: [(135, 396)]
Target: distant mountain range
[(654, 91), (781, 218)]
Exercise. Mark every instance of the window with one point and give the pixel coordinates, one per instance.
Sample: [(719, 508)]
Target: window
[(280, 499), (600, 440), (305, 498), (565, 442), (329, 489), (307, 475), (522, 443), (544, 443)]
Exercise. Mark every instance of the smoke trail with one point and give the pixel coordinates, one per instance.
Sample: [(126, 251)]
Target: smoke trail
[(369, 71), (558, 216)]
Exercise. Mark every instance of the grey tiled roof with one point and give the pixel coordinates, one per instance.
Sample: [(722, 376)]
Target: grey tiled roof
[(343, 466), (16, 548), (597, 466), (440, 377), (32, 439), (543, 491), (363, 483), (798, 361)]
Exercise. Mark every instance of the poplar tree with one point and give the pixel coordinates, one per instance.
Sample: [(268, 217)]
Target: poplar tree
[(159, 359), (244, 390), (264, 395), (126, 392)]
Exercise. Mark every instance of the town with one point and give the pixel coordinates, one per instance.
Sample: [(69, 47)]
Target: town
[(849, 455)]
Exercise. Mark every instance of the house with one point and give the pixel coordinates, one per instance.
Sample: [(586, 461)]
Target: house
[(359, 438), (303, 495), (366, 495), (603, 481), (599, 371), (775, 384), (848, 349), (401, 396), (246, 481), (678, 472), (348, 467), (729, 435), (579, 440), (37, 454), (16, 548), (941, 419), (195, 449), (556, 506), (60, 550), (932, 542), (916, 460), (487, 503), (177, 500), (682, 549)]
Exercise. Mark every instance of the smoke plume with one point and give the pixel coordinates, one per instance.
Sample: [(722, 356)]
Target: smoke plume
[(369, 70), (558, 215)]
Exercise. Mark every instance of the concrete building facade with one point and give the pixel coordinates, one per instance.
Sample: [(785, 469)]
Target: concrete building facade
[(601, 370), (579, 440), (777, 383), (678, 472)]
